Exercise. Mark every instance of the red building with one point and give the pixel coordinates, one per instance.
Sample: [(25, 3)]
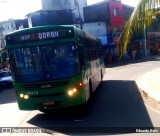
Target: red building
[(116, 20), (116, 14)]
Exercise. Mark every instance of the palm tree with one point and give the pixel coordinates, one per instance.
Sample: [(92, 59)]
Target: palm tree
[(139, 20)]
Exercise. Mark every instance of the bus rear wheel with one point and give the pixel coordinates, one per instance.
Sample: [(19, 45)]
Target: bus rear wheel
[(46, 111), (101, 75), (90, 89)]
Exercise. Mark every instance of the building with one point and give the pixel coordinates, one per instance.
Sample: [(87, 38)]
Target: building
[(153, 36), (105, 19), (58, 12), (127, 11), (50, 17), (113, 13), (75, 5), (10, 26), (98, 29)]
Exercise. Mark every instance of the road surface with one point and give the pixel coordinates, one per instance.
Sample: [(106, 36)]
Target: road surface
[(116, 103)]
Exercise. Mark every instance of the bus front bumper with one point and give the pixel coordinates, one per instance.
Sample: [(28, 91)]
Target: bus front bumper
[(51, 102)]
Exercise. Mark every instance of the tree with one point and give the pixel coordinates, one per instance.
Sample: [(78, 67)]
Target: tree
[(139, 20)]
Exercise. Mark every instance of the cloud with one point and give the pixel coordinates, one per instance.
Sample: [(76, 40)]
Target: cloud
[(17, 9)]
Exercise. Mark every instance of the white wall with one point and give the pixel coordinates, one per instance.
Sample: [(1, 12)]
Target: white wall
[(98, 29)]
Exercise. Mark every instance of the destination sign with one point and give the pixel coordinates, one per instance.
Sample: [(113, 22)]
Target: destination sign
[(46, 35), (40, 36)]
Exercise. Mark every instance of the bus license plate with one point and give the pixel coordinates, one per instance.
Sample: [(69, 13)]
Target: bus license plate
[(48, 103)]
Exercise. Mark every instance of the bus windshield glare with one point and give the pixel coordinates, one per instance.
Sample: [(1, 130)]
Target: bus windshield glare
[(41, 63)]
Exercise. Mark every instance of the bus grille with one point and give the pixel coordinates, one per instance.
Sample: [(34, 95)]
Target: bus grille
[(46, 85)]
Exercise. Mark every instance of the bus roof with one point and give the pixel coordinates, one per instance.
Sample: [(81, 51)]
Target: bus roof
[(49, 32), (40, 27)]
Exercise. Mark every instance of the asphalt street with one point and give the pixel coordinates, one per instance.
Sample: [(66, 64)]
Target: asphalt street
[(116, 103)]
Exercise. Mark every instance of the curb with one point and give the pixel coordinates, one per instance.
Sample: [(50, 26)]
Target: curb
[(149, 84)]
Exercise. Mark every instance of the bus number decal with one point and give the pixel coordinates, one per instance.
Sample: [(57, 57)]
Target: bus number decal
[(25, 37), (32, 93), (46, 35)]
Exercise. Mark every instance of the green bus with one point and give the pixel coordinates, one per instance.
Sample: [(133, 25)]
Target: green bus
[(54, 66)]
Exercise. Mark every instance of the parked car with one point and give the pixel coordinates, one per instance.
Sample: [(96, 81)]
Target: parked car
[(5, 79)]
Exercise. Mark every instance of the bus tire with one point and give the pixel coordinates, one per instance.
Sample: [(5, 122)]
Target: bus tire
[(47, 112), (90, 88), (101, 75)]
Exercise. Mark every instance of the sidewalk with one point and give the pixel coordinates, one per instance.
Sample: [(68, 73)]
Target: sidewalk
[(149, 58), (149, 83)]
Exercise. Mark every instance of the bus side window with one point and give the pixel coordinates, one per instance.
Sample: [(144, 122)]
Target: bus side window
[(81, 55), (88, 52), (99, 50), (94, 50)]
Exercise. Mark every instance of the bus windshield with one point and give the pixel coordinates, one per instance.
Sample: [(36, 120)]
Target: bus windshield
[(41, 63)]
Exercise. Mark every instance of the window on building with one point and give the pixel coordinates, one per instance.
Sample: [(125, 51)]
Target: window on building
[(116, 12), (116, 34)]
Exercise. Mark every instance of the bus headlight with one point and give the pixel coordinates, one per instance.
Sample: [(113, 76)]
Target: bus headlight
[(21, 95), (26, 97), (72, 91)]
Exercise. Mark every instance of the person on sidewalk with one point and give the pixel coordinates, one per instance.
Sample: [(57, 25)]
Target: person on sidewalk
[(133, 55)]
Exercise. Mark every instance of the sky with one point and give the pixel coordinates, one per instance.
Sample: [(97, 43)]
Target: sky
[(17, 9)]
